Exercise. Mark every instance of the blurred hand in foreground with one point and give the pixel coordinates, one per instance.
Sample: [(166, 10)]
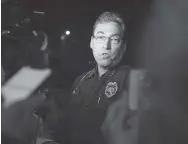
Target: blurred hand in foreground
[(116, 127), (18, 120)]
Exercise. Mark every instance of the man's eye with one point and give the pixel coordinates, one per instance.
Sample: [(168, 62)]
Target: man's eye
[(115, 39), (100, 37)]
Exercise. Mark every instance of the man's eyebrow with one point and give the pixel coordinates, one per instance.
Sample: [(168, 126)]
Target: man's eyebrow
[(115, 35), (100, 32)]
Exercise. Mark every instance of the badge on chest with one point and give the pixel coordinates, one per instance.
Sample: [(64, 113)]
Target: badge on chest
[(111, 89)]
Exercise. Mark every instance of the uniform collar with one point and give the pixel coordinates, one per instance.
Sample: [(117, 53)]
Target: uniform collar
[(110, 72)]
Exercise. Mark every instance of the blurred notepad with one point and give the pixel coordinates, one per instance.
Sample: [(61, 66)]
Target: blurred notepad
[(23, 84)]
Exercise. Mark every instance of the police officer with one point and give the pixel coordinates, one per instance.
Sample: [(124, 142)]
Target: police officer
[(94, 91)]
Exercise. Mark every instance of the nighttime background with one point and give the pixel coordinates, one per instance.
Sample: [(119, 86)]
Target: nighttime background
[(72, 56)]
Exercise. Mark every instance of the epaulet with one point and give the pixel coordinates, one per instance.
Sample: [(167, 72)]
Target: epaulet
[(125, 68), (86, 75), (90, 74), (80, 79)]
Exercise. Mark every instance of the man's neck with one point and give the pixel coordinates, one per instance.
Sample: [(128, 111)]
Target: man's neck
[(102, 70)]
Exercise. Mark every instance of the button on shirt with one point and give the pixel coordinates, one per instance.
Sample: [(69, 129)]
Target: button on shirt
[(90, 99)]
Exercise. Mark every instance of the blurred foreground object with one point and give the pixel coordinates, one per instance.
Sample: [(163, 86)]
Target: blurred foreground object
[(23, 84), (19, 125), (122, 121), (165, 50), (164, 42)]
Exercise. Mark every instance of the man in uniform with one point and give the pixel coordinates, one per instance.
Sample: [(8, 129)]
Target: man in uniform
[(95, 90)]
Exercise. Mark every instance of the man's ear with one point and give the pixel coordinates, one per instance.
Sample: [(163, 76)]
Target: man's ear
[(124, 46), (91, 43)]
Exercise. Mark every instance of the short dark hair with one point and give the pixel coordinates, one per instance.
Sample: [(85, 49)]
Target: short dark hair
[(110, 17)]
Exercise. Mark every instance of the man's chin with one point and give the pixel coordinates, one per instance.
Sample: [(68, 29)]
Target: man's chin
[(108, 64), (105, 65)]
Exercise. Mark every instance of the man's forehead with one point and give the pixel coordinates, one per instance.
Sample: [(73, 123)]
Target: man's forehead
[(108, 28)]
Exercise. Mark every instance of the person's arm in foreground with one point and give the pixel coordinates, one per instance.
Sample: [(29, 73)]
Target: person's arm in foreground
[(115, 128), (18, 121)]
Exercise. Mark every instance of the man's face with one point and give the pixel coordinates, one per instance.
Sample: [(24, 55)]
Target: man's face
[(107, 44)]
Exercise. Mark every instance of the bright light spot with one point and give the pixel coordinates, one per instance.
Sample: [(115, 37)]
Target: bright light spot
[(67, 32)]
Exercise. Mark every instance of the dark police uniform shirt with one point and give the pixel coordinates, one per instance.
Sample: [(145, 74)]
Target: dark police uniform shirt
[(90, 99)]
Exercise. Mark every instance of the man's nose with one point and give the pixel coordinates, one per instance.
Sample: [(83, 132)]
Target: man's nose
[(107, 44)]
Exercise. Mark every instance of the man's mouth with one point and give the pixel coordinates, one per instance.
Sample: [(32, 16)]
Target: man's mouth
[(105, 54)]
